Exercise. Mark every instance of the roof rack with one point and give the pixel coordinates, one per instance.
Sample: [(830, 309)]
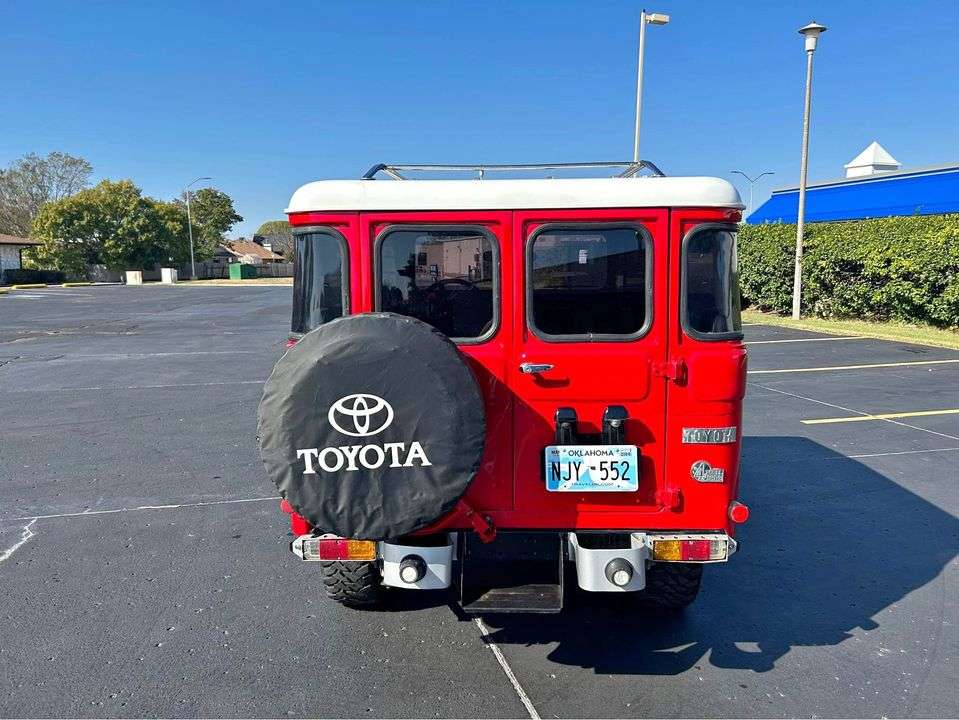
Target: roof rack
[(630, 169)]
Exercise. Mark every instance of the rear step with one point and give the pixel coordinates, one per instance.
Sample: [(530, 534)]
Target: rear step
[(516, 573)]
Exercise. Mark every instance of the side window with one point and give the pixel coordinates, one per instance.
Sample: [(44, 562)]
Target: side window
[(444, 276), (711, 284), (589, 282), (319, 279)]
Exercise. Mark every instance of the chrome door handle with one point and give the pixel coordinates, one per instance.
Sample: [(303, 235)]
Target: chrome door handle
[(534, 368)]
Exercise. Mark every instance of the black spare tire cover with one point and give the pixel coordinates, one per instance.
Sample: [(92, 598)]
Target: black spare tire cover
[(372, 426)]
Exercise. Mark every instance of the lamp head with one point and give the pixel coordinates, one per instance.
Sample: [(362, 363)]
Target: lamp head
[(657, 18), (811, 32)]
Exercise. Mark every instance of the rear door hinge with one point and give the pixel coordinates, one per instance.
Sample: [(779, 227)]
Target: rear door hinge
[(674, 370)]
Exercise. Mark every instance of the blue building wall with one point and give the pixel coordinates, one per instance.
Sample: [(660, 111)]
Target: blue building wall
[(919, 192)]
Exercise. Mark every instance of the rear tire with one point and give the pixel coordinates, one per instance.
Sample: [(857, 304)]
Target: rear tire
[(354, 584), (671, 586)]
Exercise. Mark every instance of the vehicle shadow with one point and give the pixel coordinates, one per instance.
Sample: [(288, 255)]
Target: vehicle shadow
[(830, 544)]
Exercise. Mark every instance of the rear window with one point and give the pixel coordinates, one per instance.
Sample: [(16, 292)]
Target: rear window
[(711, 284), (319, 279), (588, 282), (447, 277)]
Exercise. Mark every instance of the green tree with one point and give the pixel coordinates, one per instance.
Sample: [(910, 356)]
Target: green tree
[(111, 224), (213, 215), (277, 233), (32, 181), (176, 249)]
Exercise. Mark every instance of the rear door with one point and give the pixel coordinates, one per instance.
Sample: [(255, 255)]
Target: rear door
[(707, 340), (451, 270), (590, 289)]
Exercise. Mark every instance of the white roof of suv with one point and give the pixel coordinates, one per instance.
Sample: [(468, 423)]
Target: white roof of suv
[(538, 194)]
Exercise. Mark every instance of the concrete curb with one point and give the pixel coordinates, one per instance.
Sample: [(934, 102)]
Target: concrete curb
[(28, 286), (76, 284)]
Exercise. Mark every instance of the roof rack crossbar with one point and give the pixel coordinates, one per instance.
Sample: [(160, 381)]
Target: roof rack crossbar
[(630, 169)]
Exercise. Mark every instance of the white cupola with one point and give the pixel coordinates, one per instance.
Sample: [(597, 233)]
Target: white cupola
[(874, 159)]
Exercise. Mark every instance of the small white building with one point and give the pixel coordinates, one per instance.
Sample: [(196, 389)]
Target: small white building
[(11, 251)]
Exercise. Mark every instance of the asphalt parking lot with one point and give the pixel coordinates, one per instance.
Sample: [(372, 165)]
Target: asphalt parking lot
[(144, 567)]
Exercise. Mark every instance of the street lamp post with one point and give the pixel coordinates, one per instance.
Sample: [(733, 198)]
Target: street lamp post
[(189, 225), (752, 182), (644, 20), (811, 32)]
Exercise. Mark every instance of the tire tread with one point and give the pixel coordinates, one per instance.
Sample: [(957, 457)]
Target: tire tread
[(671, 586), (355, 584)]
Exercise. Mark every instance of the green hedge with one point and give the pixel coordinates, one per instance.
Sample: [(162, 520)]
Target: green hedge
[(903, 268)]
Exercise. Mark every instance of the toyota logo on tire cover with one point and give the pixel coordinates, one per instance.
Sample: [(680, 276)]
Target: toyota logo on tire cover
[(366, 414)]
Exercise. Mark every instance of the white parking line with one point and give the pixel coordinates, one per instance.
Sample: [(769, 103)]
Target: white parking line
[(795, 340), (851, 410), (138, 387), (852, 367), (139, 508), (25, 535), (28, 532), (899, 452), (498, 654), (121, 356)]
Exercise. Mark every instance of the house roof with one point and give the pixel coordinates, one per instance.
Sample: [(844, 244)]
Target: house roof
[(245, 247), (931, 190), (13, 240), (539, 194)]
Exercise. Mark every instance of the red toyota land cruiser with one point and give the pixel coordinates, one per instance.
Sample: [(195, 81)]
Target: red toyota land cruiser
[(511, 377)]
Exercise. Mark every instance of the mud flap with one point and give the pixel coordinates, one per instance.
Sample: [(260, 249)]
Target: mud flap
[(519, 572)]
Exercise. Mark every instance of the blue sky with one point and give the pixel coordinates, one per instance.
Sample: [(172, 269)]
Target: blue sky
[(267, 96)]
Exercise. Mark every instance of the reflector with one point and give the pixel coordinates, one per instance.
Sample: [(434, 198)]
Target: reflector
[(738, 512)]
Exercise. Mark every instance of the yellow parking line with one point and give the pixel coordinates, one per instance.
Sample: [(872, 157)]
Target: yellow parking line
[(824, 339), (882, 416), (852, 367)]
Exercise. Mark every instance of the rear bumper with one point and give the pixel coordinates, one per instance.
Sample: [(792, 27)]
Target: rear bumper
[(430, 567)]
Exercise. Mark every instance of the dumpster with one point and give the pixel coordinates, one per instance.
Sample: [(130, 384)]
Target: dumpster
[(241, 271)]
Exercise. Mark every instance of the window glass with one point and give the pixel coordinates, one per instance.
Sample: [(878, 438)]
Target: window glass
[(589, 281), (318, 280), (712, 282), (446, 278)]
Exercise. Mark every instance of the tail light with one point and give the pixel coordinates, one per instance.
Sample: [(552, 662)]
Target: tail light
[(320, 548), (291, 341), (686, 550)]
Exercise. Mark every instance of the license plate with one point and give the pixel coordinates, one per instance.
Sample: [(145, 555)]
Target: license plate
[(591, 468)]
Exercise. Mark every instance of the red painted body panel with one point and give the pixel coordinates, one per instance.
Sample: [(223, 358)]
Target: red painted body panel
[(509, 488)]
